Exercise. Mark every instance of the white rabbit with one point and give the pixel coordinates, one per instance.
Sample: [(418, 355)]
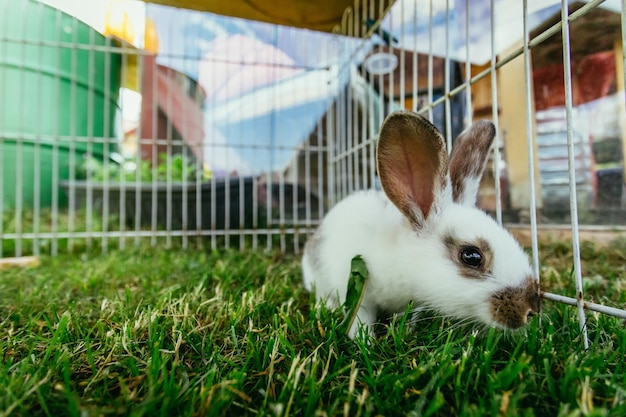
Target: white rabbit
[(422, 239)]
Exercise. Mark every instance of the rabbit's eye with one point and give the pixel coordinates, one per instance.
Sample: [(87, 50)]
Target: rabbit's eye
[(471, 256)]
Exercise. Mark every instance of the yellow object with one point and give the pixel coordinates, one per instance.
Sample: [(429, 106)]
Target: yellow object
[(119, 26), (130, 73), (117, 23), (151, 37)]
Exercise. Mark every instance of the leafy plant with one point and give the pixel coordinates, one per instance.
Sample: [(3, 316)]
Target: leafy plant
[(176, 168), (354, 294)]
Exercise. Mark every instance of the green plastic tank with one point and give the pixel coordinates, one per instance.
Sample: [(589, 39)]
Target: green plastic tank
[(59, 88)]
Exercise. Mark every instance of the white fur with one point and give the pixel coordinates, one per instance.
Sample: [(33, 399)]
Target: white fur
[(405, 266)]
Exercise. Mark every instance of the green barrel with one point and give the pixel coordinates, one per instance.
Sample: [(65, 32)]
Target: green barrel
[(59, 88)]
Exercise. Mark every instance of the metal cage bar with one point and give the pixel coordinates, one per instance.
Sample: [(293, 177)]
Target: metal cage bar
[(498, 61), (277, 196)]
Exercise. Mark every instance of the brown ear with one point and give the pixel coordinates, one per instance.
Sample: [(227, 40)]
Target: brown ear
[(468, 161), (412, 164)]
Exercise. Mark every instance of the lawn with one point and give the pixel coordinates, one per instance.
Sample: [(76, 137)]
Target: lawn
[(160, 332)]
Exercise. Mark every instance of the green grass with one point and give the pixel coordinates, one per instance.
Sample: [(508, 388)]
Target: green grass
[(169, 332)]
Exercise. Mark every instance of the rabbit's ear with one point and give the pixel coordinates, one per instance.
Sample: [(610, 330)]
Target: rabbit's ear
[(412, 165), (468, 161)]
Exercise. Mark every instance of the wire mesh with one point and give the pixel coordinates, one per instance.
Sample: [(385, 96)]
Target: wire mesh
[(536, 35), (242, 134)]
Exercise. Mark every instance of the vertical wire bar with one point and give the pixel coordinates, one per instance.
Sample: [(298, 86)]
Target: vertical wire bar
[(122, 180), (199, 186), (227, 219), (3, 82), (415, 59), (348, 121), (338, 117), (140, 73), (391, 83), (567, 72), (154, 154), (281, 189), (330, 150), (269, 187), (306, 153), (213, 189), (38, 142), (92, 93), (169, 150), (91, 96), (313, 142), (446, 81), (169, 177), (279, 178), (372, 129), (54, 247), (529, 141), (188, 155), (72, 132), (269, 200), (430, 60), (342, 146), (241, 144), (73, 121), (121, 209), (194, 211), (364, 115), (241, 214), (294, 197), (495, 115), (255, 211), (401, 51), (19, 163), (210, 150), (468, 68), (295, 168), (381, 83), (105, 143), (358, 108), (356, 126)]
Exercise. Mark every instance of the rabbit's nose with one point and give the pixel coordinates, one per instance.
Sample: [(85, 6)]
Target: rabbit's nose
[(514, 306)]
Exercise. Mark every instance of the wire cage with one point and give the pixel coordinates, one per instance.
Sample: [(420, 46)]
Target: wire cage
[(177, 127)]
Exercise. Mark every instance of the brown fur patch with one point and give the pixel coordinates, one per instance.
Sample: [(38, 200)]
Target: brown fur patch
[(469, 155), (455, 247), (512, 306)]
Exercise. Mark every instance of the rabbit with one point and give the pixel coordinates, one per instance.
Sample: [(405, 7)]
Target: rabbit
[(422, 237)]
